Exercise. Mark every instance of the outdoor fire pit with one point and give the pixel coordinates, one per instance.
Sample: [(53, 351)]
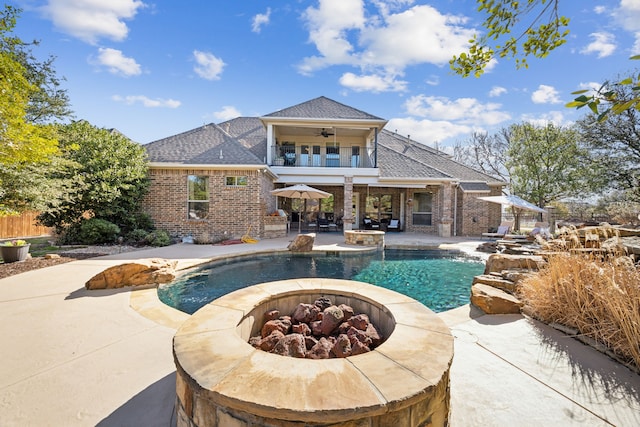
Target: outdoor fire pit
[(223, 380), (364, 238)]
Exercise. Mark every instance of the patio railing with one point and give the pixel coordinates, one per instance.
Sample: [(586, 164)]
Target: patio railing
[(320, 156)]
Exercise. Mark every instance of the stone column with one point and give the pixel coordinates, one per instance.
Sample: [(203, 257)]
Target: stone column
[(347, 219), (444, 227)]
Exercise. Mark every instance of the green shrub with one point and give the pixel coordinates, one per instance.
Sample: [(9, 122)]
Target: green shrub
[(137, 237), (158, 238), (95, 231)]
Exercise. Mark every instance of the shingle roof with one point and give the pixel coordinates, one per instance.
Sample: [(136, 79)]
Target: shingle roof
[(208, 144), (250, 132), (323, 108), (426, 161), (474, 186), (243, 140)]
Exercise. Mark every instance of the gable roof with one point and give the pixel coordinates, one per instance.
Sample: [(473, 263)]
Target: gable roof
[(322, 108), (208, 144)]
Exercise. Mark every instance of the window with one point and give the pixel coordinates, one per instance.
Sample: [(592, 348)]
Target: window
[(422, 206), (198, 198), (236, 181)]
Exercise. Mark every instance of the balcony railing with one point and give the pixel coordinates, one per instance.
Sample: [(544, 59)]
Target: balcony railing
[(321, 157)]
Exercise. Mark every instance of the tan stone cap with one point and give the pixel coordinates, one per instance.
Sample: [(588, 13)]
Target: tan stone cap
[(211, 348)]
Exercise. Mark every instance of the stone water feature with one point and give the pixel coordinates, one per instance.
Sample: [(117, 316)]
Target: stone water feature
[(222, 380)]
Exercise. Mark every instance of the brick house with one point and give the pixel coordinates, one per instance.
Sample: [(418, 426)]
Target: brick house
[(214, 182)]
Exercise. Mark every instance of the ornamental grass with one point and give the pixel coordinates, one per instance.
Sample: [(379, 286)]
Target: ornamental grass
[(598, 295)]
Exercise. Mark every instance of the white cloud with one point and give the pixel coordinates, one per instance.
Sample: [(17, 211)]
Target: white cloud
[(603, 44), (589, 86), (463, 110), (433, 80), (372, 83), (497, 91), (555, 117), (260, 20), (208, 66), (227, 113), (147, 102), (117, 63), (90, 20), (381, 44), (427, 131), (628, 15), (328, 30), (545, 95)]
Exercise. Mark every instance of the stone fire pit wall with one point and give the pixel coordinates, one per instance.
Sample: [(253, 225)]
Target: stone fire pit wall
[(222, 380), (364, 238)]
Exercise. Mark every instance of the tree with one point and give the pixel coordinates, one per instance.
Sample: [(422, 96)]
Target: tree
[(485, 153), (105, 177), (30, 98), (615, 145), (540, 29), (541, 164), (544, 33), (47, 100), (548, 163)]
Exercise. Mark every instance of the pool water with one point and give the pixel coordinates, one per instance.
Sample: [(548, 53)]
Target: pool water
[(440, 279)]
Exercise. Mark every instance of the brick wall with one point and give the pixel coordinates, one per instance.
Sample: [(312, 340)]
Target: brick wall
[(232, 209), (436, 209), (477, 216)]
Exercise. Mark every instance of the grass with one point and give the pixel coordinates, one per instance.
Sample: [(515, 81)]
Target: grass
[(598, 295)]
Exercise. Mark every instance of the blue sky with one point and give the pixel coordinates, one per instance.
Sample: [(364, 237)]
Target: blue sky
[(155, 69)]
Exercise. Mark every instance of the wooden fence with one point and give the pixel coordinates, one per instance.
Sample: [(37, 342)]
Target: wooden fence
[(22, 226)]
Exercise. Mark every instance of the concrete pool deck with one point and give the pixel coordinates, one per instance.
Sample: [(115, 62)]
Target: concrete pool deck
[(71, 357)]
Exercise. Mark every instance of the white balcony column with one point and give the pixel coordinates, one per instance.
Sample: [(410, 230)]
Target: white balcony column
[(270, 144)]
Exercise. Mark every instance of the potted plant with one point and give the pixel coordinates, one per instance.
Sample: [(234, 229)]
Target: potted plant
[(14, 250)]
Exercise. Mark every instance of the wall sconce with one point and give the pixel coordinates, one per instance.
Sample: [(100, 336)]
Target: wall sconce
[(409, 202)]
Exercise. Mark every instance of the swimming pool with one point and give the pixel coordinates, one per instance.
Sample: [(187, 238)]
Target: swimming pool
[(440, 279)]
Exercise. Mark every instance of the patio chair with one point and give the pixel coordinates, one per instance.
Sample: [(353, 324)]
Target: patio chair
[(503, 229), (370, 224), (394, 225), (323, 224)]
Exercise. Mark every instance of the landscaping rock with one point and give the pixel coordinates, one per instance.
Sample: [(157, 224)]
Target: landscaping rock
[(139, 273), (494, 301), (308, 332), (500, 262), (302, 243), (496, 282)]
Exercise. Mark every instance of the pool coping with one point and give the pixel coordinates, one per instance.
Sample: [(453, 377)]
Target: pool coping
[(146, 302)]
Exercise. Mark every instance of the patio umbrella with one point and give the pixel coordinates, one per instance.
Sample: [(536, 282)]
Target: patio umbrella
[(300, 191), (517, 204)]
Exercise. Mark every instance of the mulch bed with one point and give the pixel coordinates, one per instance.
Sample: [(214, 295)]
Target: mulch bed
[(13, 268)]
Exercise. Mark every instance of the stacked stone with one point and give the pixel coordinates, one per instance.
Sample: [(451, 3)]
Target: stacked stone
[(320, 330)]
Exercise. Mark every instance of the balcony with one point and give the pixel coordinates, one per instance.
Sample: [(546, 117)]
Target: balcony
[(320, 157)]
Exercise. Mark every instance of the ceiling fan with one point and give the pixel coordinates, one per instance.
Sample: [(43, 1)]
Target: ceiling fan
[(325, 133)]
